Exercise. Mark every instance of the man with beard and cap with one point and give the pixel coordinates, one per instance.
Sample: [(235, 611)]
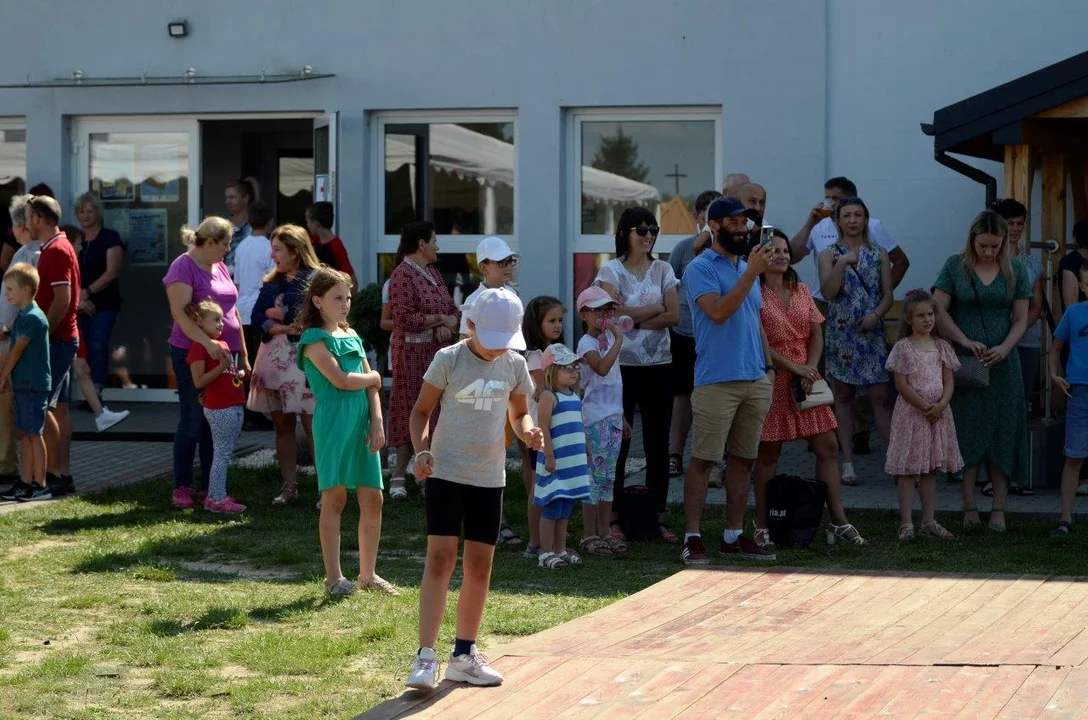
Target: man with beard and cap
[(733, 376)]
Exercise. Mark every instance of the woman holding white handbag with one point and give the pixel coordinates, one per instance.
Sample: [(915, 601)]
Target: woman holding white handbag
[(801, 403)]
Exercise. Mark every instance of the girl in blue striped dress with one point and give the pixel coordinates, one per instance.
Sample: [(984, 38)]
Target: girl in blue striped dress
[(562, 471)]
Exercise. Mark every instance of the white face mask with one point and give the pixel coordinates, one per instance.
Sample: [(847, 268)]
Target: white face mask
[(751, 224)]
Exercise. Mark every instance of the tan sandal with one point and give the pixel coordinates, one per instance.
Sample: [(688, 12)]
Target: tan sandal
[(846, 532), (288, 494), (378, 584), (934, 530), (906, 532), (617, 545)]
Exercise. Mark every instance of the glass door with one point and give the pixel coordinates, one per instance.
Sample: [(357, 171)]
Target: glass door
[(326, 132), (143, 171)]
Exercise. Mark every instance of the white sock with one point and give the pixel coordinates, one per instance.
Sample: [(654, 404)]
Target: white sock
[(689, 536), (848, 469), (730, 536)]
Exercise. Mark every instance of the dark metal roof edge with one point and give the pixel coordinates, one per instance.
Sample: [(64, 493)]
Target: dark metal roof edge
[(171, 81), (1015, 92)]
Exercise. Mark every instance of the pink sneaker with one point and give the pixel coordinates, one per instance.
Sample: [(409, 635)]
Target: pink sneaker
[(183, 497), (226, 506)]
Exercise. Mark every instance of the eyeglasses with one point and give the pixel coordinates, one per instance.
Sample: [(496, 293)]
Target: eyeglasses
[(642, 230), (572, 368), (604, 310), (509, 262)]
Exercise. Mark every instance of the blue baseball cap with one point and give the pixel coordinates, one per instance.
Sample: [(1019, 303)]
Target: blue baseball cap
[(725, 207)]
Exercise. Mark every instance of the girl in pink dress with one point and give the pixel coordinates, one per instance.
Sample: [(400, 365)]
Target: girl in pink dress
[(923, 435)]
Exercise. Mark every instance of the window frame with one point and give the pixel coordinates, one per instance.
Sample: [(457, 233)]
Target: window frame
[(596, 243), (17, 122), (386, 244)]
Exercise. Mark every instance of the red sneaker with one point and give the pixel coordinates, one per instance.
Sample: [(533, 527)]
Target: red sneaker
[(183, 497), (694, 552), (746, 547)]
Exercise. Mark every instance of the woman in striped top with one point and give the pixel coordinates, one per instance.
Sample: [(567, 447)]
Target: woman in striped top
[(562, 472)]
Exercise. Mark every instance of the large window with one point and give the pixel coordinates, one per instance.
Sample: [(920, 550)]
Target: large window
[(456, 171), (660, 160)]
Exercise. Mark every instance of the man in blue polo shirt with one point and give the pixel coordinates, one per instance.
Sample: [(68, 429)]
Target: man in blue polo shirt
[(733, 376)]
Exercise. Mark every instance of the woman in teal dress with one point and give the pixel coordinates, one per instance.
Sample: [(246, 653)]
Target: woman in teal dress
[(347, 426), (983, 296)]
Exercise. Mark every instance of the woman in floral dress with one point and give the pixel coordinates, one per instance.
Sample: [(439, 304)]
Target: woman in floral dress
[(792, 323), (278, 386), (856, 280), (425, 319)]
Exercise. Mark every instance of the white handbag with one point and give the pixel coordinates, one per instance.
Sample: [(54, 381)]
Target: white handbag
[(818, 396)]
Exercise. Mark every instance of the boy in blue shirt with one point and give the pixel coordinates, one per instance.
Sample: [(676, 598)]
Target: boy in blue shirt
[(1072, 331), (27, 373)]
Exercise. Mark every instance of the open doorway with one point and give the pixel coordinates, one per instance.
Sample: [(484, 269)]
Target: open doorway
[(278, 154), (155, 174)]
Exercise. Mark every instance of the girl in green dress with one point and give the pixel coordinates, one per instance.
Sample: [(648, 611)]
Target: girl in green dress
[(347, 426), (983, 296)]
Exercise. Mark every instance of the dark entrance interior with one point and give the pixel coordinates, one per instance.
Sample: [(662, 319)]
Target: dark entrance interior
[(278, 154)]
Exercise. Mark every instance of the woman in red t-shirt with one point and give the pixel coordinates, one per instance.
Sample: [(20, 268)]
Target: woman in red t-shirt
[(223, 397)]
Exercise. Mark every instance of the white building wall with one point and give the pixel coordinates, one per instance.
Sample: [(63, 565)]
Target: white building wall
[(808, 88)]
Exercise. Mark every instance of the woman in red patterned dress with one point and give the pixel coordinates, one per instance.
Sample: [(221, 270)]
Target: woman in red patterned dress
[(424, 320), (792, 324)]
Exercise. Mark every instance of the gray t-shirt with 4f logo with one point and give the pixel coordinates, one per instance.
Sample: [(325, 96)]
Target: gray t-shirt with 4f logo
[(469, 443)]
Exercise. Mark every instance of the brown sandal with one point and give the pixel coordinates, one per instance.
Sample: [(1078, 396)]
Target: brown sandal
[(617, 544), (593, 545)]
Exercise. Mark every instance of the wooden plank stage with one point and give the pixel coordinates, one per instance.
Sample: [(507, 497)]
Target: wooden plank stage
[(790, 643)]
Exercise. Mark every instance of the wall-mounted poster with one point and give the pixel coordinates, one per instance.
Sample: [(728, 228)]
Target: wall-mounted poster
[(158, 168), (144, 233), (321, 187), (114, 181)]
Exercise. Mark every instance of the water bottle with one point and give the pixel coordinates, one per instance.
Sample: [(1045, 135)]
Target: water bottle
[(625, 324)]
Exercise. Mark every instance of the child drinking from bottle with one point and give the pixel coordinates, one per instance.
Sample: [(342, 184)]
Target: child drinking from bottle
[(479, 384), (602, 417)]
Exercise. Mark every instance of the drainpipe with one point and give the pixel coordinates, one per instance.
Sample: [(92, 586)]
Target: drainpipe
[(972, 172), (964, 169)]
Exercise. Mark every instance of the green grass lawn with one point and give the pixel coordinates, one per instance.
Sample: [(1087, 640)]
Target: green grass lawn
[(118, 606)]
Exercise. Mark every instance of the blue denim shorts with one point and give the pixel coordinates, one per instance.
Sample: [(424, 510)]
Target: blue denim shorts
[(1076, 422), (61, 355), (558, 509), (30, 409)]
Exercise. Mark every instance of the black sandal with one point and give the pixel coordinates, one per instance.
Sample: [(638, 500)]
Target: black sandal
[(676, 465), (507, 536), (988, 489)]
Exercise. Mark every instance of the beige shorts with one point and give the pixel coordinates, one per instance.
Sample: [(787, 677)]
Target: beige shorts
[(729, 414)]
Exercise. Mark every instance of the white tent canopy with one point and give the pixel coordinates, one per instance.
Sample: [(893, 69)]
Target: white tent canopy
[(468, 154)]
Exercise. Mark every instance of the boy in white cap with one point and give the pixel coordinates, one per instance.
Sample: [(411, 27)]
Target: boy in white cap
[(479, 384), (496, 262)]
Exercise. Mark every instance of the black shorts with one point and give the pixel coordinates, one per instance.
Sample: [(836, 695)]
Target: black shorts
[(683, 363), (452, 506)]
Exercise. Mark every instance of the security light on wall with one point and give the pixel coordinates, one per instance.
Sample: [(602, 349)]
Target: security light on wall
[(178, 29)]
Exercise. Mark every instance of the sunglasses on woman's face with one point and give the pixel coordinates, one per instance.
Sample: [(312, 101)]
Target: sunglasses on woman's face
[(509, 262), (643, 230)]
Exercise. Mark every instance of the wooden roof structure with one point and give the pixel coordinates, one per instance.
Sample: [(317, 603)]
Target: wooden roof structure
[(1038, 121)]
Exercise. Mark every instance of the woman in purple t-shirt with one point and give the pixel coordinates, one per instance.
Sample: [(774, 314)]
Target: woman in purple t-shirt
[(197, 275)]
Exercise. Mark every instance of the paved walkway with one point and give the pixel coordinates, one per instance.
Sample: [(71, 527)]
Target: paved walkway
[(134, 450)]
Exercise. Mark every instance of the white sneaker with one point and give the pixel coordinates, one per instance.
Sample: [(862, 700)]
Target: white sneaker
[(108, 418), (424, 675), (474, 669)]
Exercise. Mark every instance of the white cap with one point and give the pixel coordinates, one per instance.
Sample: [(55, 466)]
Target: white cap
[(497, 314), (493, 248)]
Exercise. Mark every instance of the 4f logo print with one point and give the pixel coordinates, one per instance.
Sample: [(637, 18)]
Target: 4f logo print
[(482, 395)]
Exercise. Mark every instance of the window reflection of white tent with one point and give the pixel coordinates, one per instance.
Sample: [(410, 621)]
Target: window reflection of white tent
[(12, 160), (489, 161)]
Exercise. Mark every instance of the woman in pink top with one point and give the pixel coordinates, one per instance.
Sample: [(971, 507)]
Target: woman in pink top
[(199, 274)]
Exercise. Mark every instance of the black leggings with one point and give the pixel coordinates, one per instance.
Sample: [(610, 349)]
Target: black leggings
[(649, 388)]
